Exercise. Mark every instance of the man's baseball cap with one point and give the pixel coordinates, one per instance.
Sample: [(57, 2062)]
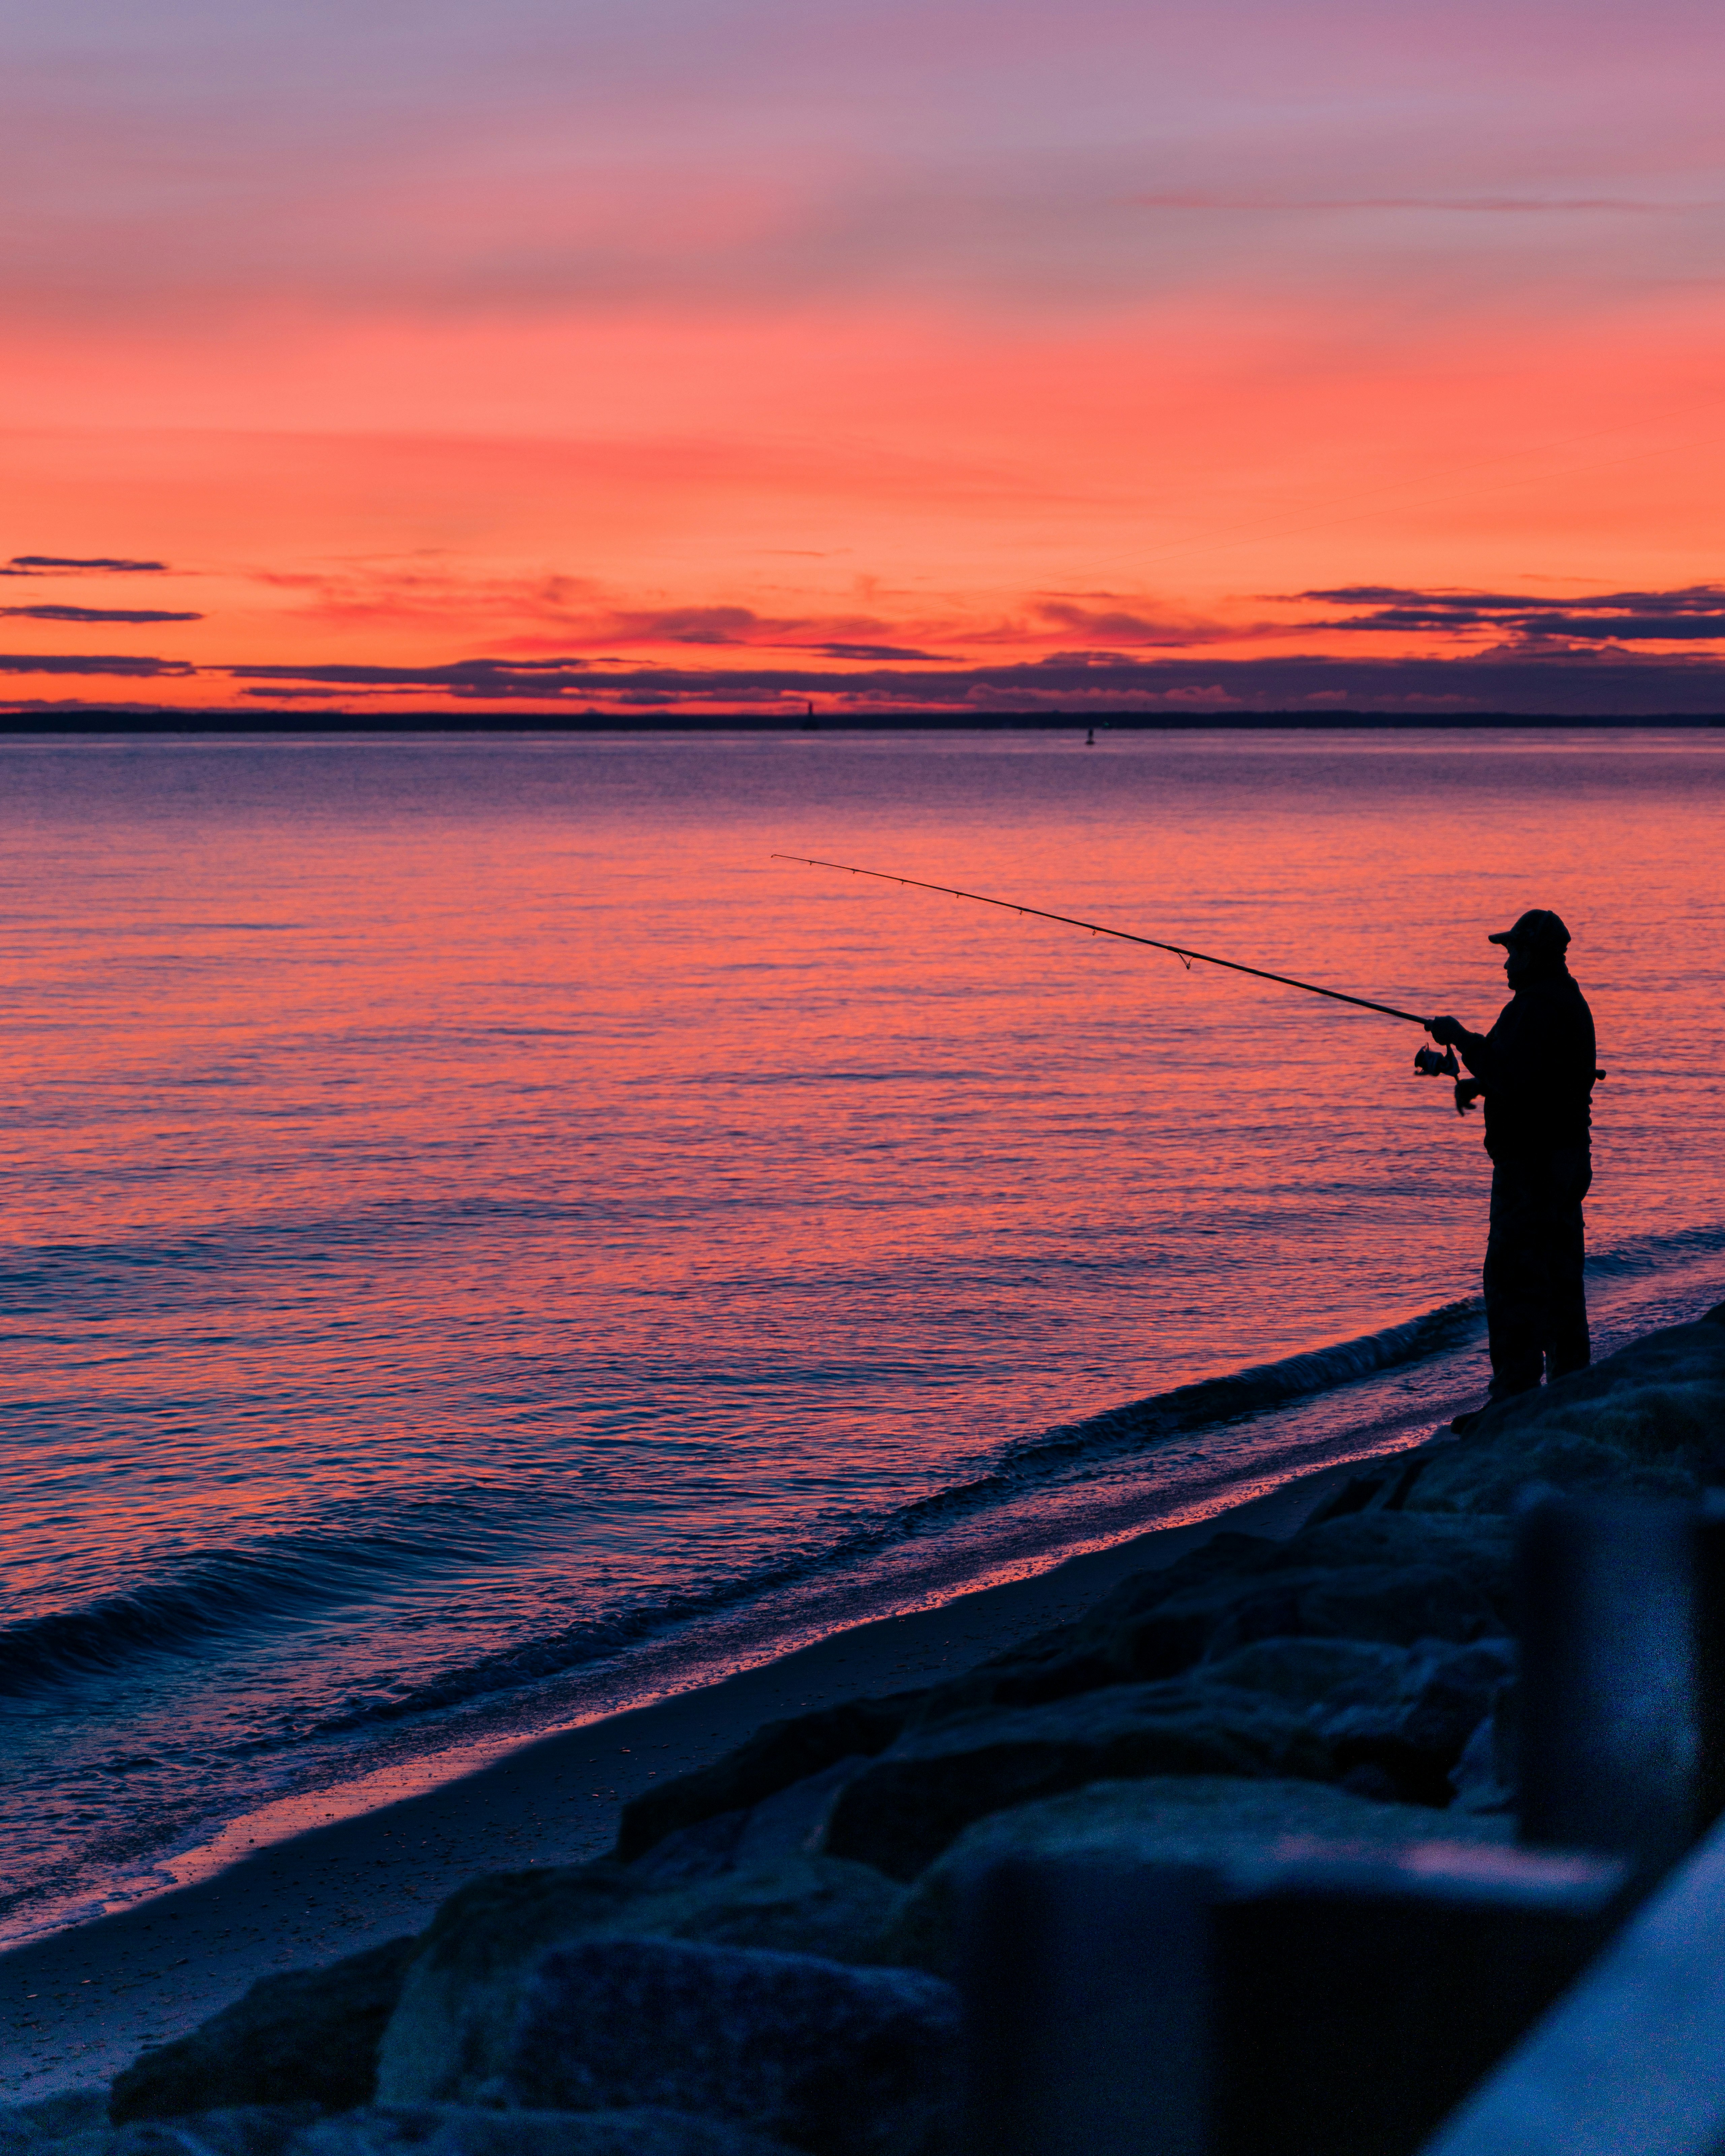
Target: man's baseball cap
[(1537, 927)]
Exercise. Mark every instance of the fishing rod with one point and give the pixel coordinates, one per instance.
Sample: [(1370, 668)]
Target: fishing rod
[(1447, 1066)]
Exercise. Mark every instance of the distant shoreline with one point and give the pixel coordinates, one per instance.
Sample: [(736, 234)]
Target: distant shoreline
[(122, 721)]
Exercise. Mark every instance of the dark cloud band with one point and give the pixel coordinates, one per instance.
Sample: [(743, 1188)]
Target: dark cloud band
[(29, 565), (94, 613), (23, 662), (1695, 613), (1585, 686)]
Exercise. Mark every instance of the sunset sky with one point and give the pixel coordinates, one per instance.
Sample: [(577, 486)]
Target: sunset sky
[(613, 354)]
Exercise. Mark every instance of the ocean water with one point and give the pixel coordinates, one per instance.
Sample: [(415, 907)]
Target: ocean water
[(481, 1242)]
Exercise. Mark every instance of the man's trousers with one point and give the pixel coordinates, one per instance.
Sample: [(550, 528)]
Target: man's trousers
[(1536, 1304)]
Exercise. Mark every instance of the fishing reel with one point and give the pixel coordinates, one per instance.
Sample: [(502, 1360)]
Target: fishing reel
[(1429, 1064)]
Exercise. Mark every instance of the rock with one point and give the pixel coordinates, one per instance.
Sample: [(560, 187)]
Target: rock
[(1202, 1819), (27, 2127), (1073, 1658), (451, 2130), (1649, 1421), (1383, 1487), (1389, 1577), (1476, 1779), (1477, 1550), (240, 2130), (776, 1756), (1390, 1603), (433, 2130), (839, 2062), (1493, 1478), (793, 1822), (310, 2035), (904, 1809), (790, 1822), (1417, 1735), (1404, 1712), (463, 1992), (1448, 1692), (702, 1852), (1307, 1674)]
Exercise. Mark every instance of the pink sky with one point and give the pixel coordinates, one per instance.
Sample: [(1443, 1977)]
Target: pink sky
[(724, 353)]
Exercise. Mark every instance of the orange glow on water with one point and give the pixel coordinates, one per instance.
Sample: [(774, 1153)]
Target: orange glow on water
[(469, 1212)]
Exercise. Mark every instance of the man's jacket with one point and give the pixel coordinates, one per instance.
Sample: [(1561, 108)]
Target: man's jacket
[(1536, 1068)]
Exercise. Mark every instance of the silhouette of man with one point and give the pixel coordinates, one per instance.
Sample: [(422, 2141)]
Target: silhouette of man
[(1535, 1069)]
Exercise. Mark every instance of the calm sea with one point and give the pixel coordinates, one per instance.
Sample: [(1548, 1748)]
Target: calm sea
[(482, 1242)]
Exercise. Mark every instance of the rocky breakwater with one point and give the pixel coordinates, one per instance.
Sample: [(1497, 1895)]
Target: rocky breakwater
[(766, 1961)]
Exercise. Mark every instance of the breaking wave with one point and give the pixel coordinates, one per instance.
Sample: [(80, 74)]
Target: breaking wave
[(1267, 1384), (222, 1596)]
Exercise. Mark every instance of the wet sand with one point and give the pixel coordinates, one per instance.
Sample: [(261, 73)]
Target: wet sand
[(78, 2006)]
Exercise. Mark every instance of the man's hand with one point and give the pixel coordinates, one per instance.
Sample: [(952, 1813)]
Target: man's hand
[(1446, 1032)]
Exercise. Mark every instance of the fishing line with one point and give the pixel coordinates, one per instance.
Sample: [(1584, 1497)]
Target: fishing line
[(1183, 952)]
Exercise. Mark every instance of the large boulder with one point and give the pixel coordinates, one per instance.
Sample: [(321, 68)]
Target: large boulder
[(1492, 1472), (310, 2035), (907, 1805), (239, 2130), (1648, 1421), (777, 1754), (1393, 1604), (51, 2118), (431, 2130), (1309, 1675), (1476, 1550), (1208, 1820), (839, 2062), (1074, 1657), (451, 2130), (1387, 1577), (791, 1822), (1408, 1713), (1443, 1695), (26, 2128), (463, 1990)]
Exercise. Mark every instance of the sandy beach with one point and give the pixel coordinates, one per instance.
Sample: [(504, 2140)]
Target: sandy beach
[(80, 2005)]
